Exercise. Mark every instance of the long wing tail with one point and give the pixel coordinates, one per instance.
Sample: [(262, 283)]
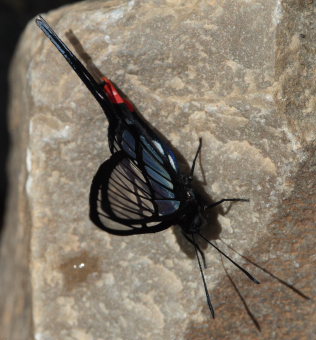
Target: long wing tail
[(96, 89)]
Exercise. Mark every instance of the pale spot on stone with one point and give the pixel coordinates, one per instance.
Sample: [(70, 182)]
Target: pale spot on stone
[(198, 115), (216, 187), (107, 39), (63, 134), (168, 279), (233, 65), (103, 308), (81, 334), (176, 83), (71, 243), (28, 160), (146, 310), (107, 279), (67, 310), (225, 223), (28, 185), (211, 108), (239, 150), (171, 241), (29, 180)]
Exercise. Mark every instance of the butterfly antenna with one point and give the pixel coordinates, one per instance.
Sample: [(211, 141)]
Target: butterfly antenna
[(242, 299), (208, 299), (95, 88), (195, 158), (252, 278), (288, 285)]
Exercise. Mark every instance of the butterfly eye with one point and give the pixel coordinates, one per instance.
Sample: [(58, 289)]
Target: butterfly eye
[(188, 195)]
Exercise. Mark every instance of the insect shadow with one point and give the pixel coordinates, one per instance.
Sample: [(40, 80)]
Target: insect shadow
[(211, 229)]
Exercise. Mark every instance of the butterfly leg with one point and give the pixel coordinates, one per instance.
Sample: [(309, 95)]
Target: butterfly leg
[(195, 158), (227, 200)]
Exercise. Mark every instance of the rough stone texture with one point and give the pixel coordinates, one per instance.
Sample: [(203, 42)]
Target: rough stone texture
[(238, 73)]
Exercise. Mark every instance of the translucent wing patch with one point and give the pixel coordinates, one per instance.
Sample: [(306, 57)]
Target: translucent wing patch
[(160, 152), (136, 199), (158, 161)]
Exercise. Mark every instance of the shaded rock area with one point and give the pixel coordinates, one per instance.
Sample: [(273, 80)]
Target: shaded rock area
[(238, 74)]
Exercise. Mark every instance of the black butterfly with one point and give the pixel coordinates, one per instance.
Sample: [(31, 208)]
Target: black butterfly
[(141, 187)]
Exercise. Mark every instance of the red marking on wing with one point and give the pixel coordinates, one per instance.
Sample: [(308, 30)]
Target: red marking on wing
[(114, 95)]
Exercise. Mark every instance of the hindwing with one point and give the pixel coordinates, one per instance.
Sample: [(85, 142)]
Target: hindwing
[(138, 194)]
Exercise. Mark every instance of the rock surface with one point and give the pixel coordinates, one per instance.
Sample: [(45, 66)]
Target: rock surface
[(240, 75)]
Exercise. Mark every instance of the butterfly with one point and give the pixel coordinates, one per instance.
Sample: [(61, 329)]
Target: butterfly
[(141, 187)]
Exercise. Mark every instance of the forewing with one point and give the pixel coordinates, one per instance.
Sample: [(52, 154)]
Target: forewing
[(130, 133), (137, 198)]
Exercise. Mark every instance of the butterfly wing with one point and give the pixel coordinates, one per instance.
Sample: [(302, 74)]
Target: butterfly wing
[(135, 199)]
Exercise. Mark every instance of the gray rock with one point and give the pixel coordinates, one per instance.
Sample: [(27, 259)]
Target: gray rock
[(240, 75)]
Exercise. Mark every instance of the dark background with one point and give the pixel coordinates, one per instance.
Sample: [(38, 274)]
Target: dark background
[(14, 15)]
